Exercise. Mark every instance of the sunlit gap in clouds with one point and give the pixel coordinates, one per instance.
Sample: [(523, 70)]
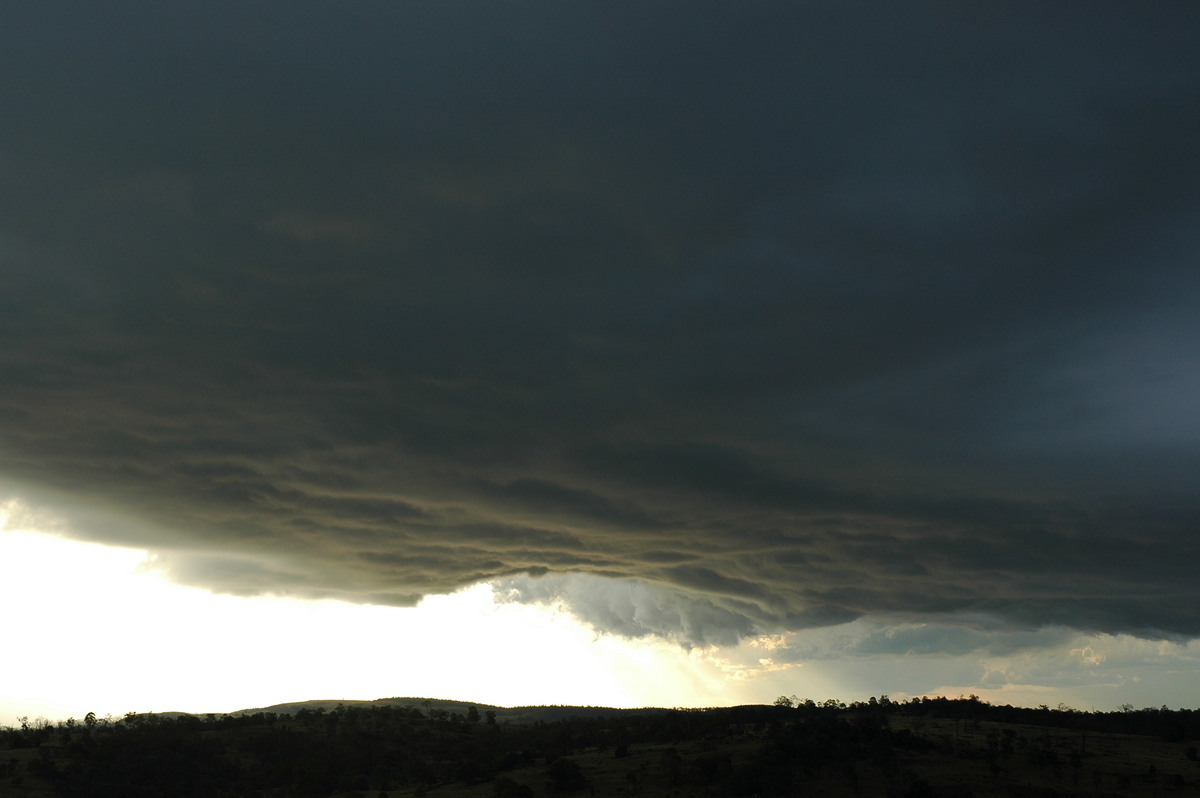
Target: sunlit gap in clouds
[(94, 628), (100, 629)]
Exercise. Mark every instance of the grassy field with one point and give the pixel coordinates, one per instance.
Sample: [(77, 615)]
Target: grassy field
[(960, 766)]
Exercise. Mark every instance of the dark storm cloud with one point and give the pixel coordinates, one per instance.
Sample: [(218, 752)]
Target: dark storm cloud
[(789, 315)]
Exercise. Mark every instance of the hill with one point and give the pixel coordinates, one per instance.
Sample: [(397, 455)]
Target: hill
[(404, 748), (520, 714)]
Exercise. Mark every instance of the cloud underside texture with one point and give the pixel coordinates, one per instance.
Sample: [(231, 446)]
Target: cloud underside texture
[(791, 314)]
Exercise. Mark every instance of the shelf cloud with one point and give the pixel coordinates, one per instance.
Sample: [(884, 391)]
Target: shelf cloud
[(705, 321)]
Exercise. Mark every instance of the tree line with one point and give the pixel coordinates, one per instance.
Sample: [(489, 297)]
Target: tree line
[(371, 751)]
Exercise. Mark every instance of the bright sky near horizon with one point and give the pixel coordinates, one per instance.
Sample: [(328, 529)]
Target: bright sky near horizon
[(96, 628)]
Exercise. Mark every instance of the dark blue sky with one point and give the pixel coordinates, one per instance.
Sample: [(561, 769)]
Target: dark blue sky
[(801, 312)]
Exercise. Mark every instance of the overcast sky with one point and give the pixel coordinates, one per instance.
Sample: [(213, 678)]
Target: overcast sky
[(709, 320)]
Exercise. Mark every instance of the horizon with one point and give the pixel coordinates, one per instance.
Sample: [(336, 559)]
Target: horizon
[(932, 746), (36, 686), (609, 352), (428, 702)]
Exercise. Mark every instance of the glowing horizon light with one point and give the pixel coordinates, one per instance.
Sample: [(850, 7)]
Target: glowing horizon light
[(104, 631), (96, 628)]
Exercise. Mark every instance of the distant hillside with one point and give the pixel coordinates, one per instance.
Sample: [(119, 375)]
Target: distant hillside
[(523, 714), (427, 748)]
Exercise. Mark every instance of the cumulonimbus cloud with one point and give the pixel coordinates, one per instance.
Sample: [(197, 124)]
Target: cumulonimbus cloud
[(773, 317)]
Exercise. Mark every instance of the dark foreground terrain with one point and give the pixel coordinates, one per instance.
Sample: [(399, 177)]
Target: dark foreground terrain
[(414, 747)]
